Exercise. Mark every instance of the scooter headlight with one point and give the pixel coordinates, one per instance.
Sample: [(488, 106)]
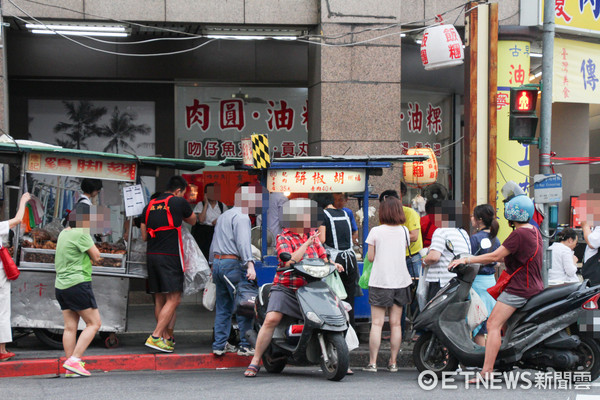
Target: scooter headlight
[(314, 318)]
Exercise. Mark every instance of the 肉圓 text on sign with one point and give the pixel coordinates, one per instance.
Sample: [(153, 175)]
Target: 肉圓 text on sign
[(316, 181), (85, 166)]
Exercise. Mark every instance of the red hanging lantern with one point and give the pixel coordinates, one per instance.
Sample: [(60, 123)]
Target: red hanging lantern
[(420, 173)]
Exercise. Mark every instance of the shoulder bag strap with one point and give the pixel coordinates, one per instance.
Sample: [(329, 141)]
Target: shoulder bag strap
[(407, 241)]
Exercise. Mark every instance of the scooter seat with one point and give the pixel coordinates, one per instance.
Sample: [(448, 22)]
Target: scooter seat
[(550, 294)]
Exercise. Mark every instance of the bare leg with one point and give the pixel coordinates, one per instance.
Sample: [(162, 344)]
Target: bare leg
[(166, 313), (396, 328), (3, 348), (377, 319), (500, 314), (91, 316), (159, 302), (479, 339), (69, 338), (171, 326), (265, 335)]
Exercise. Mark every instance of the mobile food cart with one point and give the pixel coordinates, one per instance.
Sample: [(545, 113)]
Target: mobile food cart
[(332, 174), (33, 303)]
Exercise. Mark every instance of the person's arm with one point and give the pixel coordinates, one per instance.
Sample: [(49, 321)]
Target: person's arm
[(144, 232), (191, 215), (322, 233), (432, 257), (568, 264), (495, 256), (414, 235), (592, 238), (20, 212), (94, 254), (201, 216), (243, 243), (371, 252)]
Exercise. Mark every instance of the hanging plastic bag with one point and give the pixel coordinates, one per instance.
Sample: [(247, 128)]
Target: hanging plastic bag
[(209, 297), (197, 270), (477, 311), (351, 338), (422, 288), (246, 293), (335, 283), (363, 282)]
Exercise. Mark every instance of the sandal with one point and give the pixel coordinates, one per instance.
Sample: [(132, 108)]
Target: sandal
[(479, 379), (349, 372), (392, 368), (370, 368), (251, 371)]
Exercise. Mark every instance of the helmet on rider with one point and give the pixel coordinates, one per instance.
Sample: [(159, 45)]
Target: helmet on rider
[(519, 209)]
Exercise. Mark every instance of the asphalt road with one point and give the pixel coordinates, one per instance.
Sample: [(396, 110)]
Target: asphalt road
[(293, 383)]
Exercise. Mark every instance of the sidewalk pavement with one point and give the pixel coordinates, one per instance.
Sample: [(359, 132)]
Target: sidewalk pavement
[(193, 333)]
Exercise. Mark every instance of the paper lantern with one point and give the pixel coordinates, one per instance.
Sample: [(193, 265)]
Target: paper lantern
[(420, 173), (441, 47)]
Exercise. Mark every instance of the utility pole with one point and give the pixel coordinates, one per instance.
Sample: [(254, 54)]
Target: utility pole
[(546, 119)]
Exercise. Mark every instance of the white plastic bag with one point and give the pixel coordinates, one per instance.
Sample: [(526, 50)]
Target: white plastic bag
[(422, 289), (351, 338), (197, 270), (209, 297), (477, 311)]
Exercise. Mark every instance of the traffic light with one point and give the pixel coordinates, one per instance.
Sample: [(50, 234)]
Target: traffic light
[(523, 119)]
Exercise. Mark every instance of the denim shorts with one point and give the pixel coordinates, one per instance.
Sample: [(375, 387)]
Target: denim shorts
[(512, 300)]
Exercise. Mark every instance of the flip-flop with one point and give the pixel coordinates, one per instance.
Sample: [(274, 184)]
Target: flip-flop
[(251, 371), (349, 372)]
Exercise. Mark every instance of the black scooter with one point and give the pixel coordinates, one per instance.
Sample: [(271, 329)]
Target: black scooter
[(319, 338), (549, 331)]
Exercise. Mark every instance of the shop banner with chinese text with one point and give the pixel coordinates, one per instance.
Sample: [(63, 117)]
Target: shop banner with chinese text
[(316, 181), (581, 16), (211, 121), (576, 75), (83, 167), (512, 157)]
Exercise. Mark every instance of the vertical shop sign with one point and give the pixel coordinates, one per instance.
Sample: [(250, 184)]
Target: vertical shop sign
[(513, 157), (576, 72)]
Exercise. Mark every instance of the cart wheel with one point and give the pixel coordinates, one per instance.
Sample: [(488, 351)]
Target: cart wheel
[(50, 337), (112, 341)]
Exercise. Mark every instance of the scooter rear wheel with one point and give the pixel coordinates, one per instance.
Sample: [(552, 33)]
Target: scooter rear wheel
[(439, 359), (338, 358), (589, 357)]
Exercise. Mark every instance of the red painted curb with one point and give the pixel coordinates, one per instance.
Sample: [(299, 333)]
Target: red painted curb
[(124, 362), (165, 362), (10, 369)]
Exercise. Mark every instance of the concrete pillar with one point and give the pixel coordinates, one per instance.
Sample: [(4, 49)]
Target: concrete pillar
[(354, 91)]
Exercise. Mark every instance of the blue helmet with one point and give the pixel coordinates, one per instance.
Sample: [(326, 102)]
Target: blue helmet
[(519, 209)]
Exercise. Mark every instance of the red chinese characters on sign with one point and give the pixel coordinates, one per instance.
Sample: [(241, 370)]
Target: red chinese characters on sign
[(288, 149), (517, 75), (282, 118), (559, 7), (50, 163), (121, 168), (89, 166), (35, 162), (232, 114), (302, 149), (437, 149), (211, 148), (304, 116), (64, 164), (424, 59), (434, 119), (41, 288), (338, 177), (228, 149), (197, 114), (404, 146), (455, 51), (301, 177), (194, 149), (418, 170), (565, 69), (318, 178), (502, 100), (415, 118)]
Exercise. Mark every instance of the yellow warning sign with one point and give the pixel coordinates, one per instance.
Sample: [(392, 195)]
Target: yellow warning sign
[(260, 151)]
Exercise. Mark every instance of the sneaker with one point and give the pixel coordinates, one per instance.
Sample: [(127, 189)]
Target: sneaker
[(245, 351), (170, 342), (158, 344), (71, 375), (370, 368), (229, 348), (77, 367)]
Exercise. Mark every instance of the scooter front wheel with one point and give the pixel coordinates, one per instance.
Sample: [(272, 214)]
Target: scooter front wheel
[(338, 358), (273, 366), (430, 354)]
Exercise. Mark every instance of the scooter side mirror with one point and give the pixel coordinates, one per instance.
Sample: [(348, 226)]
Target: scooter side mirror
[(285, 257), (449, 246), (485, 244)]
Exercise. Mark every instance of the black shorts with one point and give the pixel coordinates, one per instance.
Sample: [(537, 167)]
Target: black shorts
[(76, 298), (381, 297), (165, 273)]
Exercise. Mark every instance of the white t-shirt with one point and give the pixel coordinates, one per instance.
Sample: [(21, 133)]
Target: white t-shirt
[(594, 239), (389, 266), (4, 229), (211, 214), (563, 268), (438, 272)]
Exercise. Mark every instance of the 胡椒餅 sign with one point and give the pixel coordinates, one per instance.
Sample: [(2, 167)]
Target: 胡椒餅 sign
[(210, 122), (316, 181)]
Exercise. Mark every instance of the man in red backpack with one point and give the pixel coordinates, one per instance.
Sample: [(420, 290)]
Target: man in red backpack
[(161, 227)]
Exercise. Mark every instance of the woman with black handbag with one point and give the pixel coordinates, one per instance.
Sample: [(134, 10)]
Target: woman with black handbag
[(5, 330)]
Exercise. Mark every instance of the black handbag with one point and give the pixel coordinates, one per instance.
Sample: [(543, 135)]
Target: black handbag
[(591, 269), (245, 297)]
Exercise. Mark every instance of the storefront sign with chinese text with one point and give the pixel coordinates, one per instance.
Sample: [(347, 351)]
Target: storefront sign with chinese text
[(441, 47), (211, 121), (316, 181), (83, 166), (576, 76), (581, 16)]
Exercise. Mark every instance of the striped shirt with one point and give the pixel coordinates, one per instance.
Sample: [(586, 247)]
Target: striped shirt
[(438, 272)]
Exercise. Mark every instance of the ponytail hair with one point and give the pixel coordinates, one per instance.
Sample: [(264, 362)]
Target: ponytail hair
[(487, 214), (566, 234)]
